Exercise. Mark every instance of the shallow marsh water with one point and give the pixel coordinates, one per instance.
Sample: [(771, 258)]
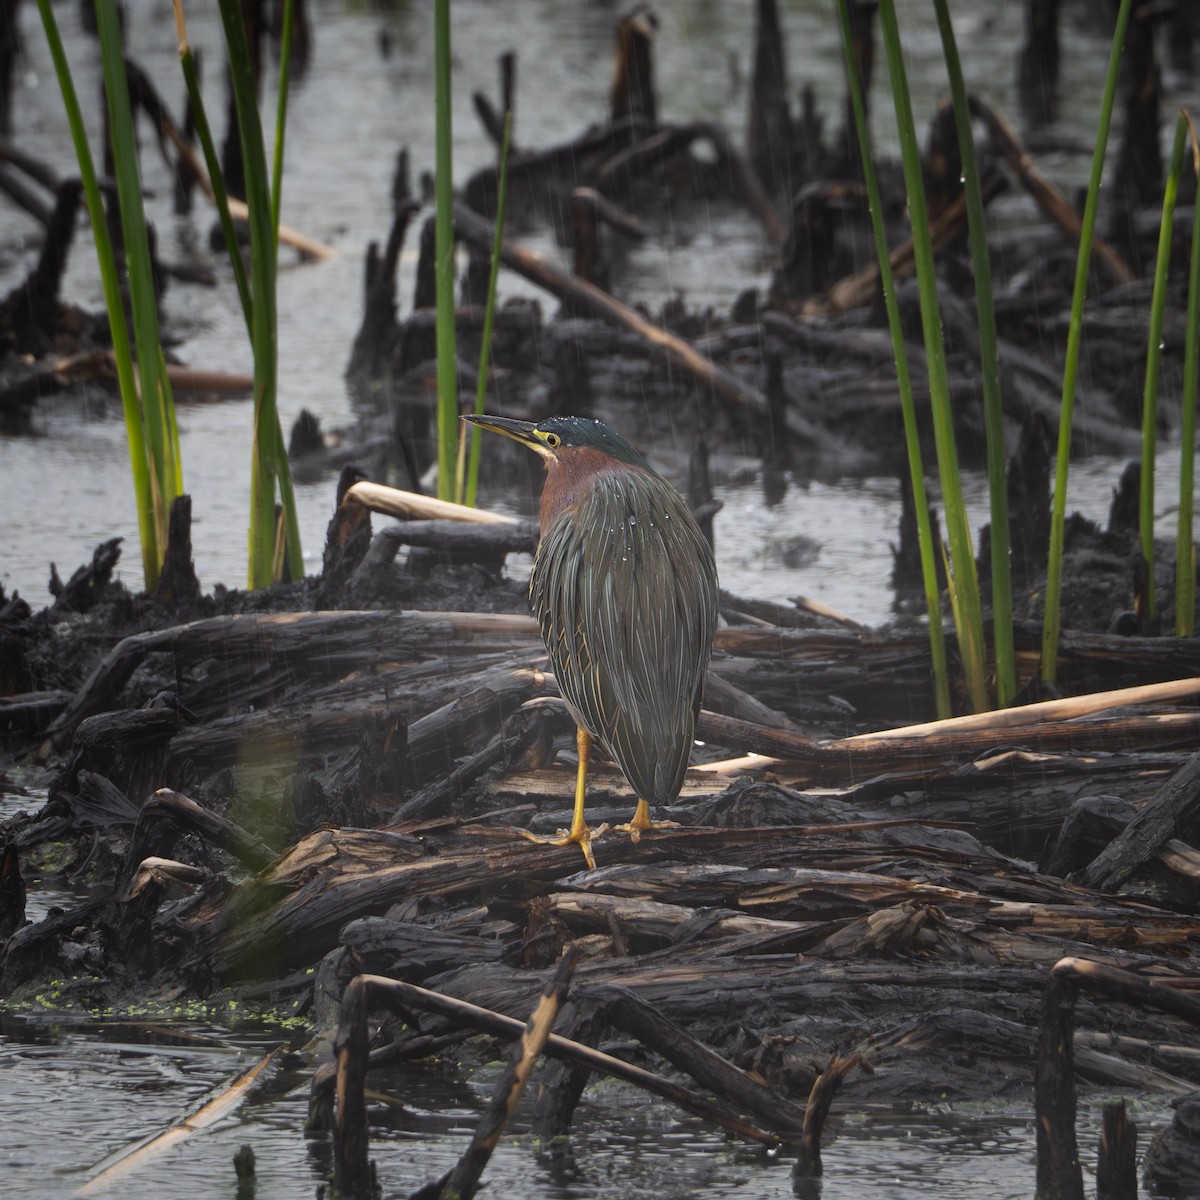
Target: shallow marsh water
[(65, 487), (109, 1086), (76, 1093)]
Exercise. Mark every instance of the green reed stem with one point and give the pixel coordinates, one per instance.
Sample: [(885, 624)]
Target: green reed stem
[(1052, 620), (993, 408), (447, 361), (1158, 304), (212, 161), (287, 494), (962, 577), (157, 402), (154, 483), (489, 312), (262, 283), (1185, 546), (937, 640), (269, 464), (285, 69)]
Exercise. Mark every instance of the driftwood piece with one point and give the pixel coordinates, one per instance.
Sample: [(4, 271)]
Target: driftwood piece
[(454, 537), (435, 740), (36, 168), (28, 713), (1048, 198), (820, 1099), (352, 1170), (188, 161), (374, 336), (23, 392), (768, 121), (569, 161), (177, 583), (667, 143), (331, 878), (1144, 836), (589, 210), (406, 997), (862, 35), (302, 645), (1116, 1160), (791, 670), (411, 506), (413, 951), (1173, 1159), (527, 736), (1037, 64), (164, 874), (622, 1009), (859, 288), (586, 297), (463, 1181), (29, 314), (632, 93), (1059, 1176), (442, 712), (248, 849), (12, 891), (216, 1109), (89, 582), (1137, 175)]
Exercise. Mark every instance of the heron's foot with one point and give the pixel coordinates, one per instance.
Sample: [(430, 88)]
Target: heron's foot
[(581, 835), (640, 823)]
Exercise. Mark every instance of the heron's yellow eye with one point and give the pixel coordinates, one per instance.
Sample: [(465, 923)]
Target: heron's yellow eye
[(552, 440)]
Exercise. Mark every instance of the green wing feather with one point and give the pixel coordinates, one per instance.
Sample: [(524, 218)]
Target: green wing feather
[(624, 589)]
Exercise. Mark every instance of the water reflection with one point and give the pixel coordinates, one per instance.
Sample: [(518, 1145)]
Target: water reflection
[(78, 469), (109, 1085)]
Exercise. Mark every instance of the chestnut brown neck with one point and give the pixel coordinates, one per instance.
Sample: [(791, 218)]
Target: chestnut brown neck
[(568, 477)]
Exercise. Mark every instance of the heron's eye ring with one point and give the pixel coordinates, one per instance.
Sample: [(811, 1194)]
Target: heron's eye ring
[(552, 440)]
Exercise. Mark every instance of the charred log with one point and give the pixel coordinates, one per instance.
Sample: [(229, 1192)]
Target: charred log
[(178, 588), (1037, 64), (769, 126), (29, 315), (633, 93)]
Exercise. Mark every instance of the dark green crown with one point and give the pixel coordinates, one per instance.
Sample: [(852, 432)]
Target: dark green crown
[(583, 433)]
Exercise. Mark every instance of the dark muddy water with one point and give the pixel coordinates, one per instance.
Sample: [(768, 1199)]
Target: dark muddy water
[(107, 1087), (76, 1094)]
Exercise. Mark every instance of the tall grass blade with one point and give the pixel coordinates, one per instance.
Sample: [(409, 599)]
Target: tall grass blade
[(447, 359), (157, 403), (285, 70), (290, 531), (1052, 620), (269, 465), (1185, 546), (962, 577), (916, 469), (489, 312), (993, 411), (1158, 304), (152, 548), (216, 179)]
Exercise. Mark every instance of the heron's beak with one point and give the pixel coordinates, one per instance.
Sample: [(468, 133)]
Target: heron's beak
[(519, 431)]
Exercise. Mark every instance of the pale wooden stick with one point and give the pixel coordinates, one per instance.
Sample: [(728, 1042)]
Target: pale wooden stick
[(189, 379), (1046, 710), (206, 1115), (413, 507)]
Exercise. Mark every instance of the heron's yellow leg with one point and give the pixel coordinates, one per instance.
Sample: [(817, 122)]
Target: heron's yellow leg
[(579, 831), (640, 822)]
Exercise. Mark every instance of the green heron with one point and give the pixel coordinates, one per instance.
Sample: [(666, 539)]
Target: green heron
[(624, 589)]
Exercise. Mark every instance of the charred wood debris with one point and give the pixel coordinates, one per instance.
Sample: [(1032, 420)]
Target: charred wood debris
[(331, 776)]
